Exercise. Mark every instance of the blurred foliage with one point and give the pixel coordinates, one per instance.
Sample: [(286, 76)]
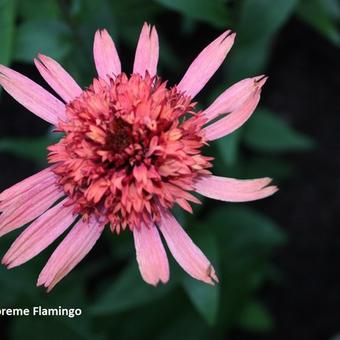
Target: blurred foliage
[(239, 240)]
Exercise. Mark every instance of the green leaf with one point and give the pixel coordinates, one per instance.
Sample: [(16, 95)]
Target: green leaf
[(7, 18), (46, 37), (259, 21), (245, 239), (270, 166), (213, 12), (203, 296), (32, 149), (267, 132), (320, 14), (228, 147), (256, 318), (128, 291), (60, 327), (37, 9)]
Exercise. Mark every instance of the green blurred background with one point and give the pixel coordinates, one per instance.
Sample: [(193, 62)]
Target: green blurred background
[(276, 259)]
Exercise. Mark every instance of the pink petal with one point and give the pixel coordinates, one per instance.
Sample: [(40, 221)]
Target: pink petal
[(233, 97), (206, 64), (151, 256), (234, 120), (25, 192), (147, 52), (32, 96), (19, 188), (78, 242), (39, 235), (30, 205), (234, 190), (105, 55), (55, 75), (186, 253)]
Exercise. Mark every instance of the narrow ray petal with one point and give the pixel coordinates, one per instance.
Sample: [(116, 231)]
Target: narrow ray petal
[(234, 120), (233, 97), (105, 55), (151, 256), (57, 77), (186, 253), (19, 188), (39, 235), (76, 245), (29, 206), (234, 190), (12, 203), (32, 96), (206, 64), (146, 58)]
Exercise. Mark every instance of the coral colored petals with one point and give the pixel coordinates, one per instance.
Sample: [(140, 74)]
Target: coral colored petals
[(234, 190), (78, 242), (56, 76), (186, 253), (105, 55), (151, 256), (146, 58), (233, 97), (39, 235), (27, 209), (206, 64), (19, 188), (232, 121), (32, 96)]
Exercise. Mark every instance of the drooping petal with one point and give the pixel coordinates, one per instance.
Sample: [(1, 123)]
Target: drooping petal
[(234, 120), (146, 58), (186, 253), (27, 207), (234, 190), (39, 235), (151, 256), (57, 77), (105, 55), (78, 242), (233, 97), (32, 96), (19, 188), (206, 64)]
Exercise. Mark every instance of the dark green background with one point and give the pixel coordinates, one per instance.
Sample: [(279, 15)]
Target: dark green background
[(240, 239)]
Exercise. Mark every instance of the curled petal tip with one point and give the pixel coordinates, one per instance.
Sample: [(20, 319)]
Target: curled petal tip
[(212, 277), (261, 80)]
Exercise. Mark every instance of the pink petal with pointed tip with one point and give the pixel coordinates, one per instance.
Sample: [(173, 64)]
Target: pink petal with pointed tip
[(39, 235), (232, 121), (186, 253), (19, 188), (206, 64), (147, 52), (151, 256), (57, 77), (32, 96), (233, 97), (27, 207), (234, 190), (76, 245), (105, 55)]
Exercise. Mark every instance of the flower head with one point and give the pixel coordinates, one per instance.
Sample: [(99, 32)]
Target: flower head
[(131, 148)]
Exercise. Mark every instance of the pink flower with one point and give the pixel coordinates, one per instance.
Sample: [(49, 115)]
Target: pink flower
[(131, 149)]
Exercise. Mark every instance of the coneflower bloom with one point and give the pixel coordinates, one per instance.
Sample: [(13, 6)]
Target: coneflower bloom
[(131, 148)]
